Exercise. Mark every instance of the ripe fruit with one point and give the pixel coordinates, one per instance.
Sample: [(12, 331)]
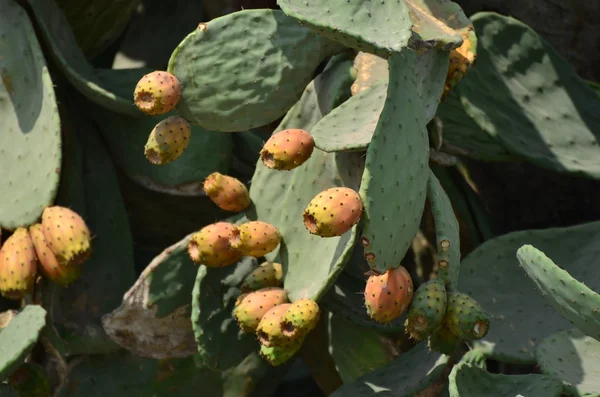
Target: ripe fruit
[(333, 212), (300, 318), (277, 355), (427, 310), (287, 149), (256, 238), (67, 235), (168, 140), (388, 295), (157, 93), (269, 331), (210, 246), (255, 305), (465, 318), (60, 273), (269, 274), (18, 265), (229, 193)]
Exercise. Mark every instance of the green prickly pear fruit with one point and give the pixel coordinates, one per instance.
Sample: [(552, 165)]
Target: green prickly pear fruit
[(277, 355), (18, 265), (268, 274), (333, 212), (287, 149), (256, 238), (426, 313), (255, 305), (67, 235), (227, 192), (388, 295), (55, 271), (210, 246), (443, 341), (465, 318), (157, 93), (168, 140), (300, 318), (31, 380), (269, 331)]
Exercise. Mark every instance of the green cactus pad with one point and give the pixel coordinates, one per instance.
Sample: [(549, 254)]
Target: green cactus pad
[(350, 127), (399, 143), (572, 357), (360, 24), (569, 297), (126, 136), (446, 232), (220, 341), (30, 123), (470, 381), (439, 23), (370, 70), (311, 263), (353, 360), (531, 99), (19, 337), (77, 310), (406, 376), (65, 51), (427, 309), (520, 317), (246, 69)]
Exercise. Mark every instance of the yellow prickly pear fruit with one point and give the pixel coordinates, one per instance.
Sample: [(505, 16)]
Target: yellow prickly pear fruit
[(300, 318), (168, 140), (269, 330), (255, 305), (55, 271), (18, 265), (67, 235), (157, 93), (210, 246), (287, 149), (388, 295), (229, 193), (256, 238), (268, 274), (333, 212)]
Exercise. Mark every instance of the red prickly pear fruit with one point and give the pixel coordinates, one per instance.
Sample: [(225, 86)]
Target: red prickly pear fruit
[(18, 265), (287, 149), (388, 295), (333, 212), (300, 318), (59, 273), (157, 93), (256, 238), (227, 192), (255, 305), (269, 274), (210, 246), (168, 140), (269, 331), (67, 235)]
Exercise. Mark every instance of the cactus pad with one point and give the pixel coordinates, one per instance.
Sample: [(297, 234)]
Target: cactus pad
[(491, 274), (360, 24), (19, 337), (245, 69), (470, 381), (30, 123), (399, 143), (571, 298), (572, 357)]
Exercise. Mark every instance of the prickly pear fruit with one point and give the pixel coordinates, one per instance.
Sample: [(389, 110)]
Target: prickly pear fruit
[(60, 273), (465, 318), (461, 60), (67, 235), (168, 140), (18, 265), (157, 93), (300, 318), (269, 331), (255, 305), (333, 212), (287, 149), (240, 298), (269, 274), (277, 355), (426, 313), (256, 238), (388, 295), (443, 341), (31, 380), (210, 246), (229, 193)]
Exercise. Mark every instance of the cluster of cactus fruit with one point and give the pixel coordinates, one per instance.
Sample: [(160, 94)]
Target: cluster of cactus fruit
[(346, 242)]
